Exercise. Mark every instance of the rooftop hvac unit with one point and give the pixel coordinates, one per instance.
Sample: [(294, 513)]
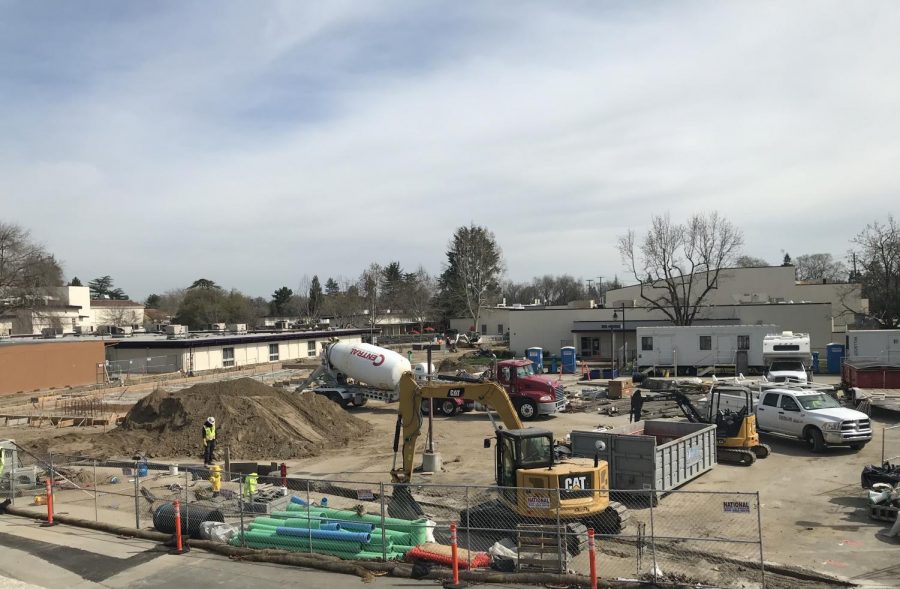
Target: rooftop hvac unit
[(217, 327), (174, 331), (51, 332), (237, 328)]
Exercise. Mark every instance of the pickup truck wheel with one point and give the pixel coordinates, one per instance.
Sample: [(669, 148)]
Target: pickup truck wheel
[(449, 408), (857, 446), (527, 410), (815, 440)]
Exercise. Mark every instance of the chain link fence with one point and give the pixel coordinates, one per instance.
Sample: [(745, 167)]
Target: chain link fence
[(710, 538), (890, 444)]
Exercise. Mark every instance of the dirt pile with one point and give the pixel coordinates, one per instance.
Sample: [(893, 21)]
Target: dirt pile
[(254, 420)]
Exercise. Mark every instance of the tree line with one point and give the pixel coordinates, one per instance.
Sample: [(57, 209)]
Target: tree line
[(676, 265)]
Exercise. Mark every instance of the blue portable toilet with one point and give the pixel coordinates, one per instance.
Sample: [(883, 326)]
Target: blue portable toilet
[(834, 354), (569, 364), (536, 355), (815, 362)]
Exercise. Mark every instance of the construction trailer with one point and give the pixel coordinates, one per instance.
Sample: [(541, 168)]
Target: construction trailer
[(873, 346), (702, 350)]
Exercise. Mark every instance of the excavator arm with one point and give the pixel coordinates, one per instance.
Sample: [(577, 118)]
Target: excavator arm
[(684, 403), (410, 418)]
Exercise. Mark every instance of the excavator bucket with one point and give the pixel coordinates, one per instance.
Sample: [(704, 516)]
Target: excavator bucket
[(402, 505)]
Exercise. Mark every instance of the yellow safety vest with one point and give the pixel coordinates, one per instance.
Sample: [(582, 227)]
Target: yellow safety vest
[(209, 432), (250, 484)]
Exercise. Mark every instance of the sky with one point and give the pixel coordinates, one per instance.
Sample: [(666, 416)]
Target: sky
[(255, 143)]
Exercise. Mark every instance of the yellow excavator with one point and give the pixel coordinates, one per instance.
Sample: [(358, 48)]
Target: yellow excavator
[(730, 408), (534, 486)]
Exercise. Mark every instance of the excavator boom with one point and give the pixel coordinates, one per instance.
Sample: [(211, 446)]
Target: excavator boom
[(410, 418)]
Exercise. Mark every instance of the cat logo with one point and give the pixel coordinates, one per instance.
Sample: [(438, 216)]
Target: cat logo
[(574, 483), (457, 392)]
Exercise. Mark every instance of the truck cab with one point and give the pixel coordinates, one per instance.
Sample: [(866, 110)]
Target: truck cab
[(531, 394), (812, 416)]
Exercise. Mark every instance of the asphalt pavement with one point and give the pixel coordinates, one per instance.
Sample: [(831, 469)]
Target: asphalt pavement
[(76, 558)]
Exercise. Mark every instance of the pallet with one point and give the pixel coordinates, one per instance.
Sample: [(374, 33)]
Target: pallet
[(539, 548), (885, 513)]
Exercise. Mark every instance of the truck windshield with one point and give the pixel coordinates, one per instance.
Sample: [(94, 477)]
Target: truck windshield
[(819, 401), (527, 370), (795, 365)]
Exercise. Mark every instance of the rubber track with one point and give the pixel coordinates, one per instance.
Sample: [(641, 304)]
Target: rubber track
[(734, 456)]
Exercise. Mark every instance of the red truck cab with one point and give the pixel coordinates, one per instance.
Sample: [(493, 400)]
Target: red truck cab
[(531, 394)]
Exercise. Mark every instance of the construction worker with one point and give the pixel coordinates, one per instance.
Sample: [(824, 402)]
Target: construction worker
[(209, 440), (250, 485), (637, 404)]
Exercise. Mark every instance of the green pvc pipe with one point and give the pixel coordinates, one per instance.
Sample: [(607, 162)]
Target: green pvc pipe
[(274, 522), (392, 523), (295, 542), (400, 548)]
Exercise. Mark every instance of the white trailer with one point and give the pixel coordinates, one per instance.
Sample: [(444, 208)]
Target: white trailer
[(788, 357), (878, 346), (702, 349)]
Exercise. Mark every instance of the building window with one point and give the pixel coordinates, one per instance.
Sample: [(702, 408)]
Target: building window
[(273, 352), (705, 342), (743, 342), (647, 344), (227, 357), (311, 349), (484, 329), (499, 329)]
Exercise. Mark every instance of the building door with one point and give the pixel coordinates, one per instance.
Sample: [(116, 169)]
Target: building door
[(741, 362)]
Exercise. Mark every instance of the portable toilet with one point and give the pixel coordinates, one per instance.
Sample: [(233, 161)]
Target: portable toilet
[(834, 354), (815, 362), (536, 355), (567, 353)]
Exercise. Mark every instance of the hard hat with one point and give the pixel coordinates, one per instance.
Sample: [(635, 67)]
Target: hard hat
[(211, 419)]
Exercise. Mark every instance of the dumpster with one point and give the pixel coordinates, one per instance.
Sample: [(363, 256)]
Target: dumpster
[(653, 454)]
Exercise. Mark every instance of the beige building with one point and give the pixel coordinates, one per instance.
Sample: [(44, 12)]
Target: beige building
[(770, 284), (115, 312), (70, 309), (743, 296)]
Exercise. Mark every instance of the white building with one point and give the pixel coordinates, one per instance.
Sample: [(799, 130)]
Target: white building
[(70, 309), (743, 296), (208, 351)]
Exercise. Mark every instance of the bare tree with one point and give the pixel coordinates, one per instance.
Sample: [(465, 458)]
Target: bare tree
[(370, 282), (877, 251), (417, 294), (750, 262), (120, 317), (26, 270), (819, 267), (678, 264)]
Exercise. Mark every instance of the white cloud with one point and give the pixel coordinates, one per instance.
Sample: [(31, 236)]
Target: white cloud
[(260, 147)]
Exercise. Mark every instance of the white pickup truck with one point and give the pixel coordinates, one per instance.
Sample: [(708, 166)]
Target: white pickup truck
[(812, 416)]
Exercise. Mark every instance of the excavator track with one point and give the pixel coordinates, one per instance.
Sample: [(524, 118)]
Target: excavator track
[(735, 456), (761, 451)]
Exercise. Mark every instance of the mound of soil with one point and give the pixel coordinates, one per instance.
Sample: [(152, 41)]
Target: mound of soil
[(254, 420)]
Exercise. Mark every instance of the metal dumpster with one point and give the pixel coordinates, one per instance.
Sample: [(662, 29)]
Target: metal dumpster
[(658, 455)]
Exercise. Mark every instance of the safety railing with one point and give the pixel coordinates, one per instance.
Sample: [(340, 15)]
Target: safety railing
[(890, 444), (711, 538)]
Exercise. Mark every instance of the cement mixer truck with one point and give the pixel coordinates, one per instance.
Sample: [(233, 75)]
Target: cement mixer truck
[(352, 374)]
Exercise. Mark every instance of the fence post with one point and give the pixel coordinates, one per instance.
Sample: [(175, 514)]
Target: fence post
[(383, 536), (187, 501), (561, 550), (13, 461), (762, 564), (653, 532), (883, 432), (96, 510), (308, 512), (137, 494), (468, 533), (241, 504)]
